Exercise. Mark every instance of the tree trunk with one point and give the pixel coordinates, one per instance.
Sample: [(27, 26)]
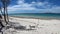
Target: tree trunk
[(5, 14), (1, 11)]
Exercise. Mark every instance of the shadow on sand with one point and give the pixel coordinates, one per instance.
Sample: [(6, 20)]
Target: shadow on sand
[(17, 26)]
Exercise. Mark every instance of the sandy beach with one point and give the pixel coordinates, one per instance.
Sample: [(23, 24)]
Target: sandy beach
[(42, 26)]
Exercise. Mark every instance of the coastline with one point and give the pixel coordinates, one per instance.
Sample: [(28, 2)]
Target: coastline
[(43, 26), (45, 18)]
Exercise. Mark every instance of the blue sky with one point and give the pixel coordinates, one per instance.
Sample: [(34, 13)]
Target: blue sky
[(34, 6)]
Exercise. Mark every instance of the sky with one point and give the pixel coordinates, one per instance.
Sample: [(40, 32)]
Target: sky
[(34, 6)]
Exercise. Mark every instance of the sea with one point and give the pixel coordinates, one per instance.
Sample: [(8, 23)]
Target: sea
[(37, 15)]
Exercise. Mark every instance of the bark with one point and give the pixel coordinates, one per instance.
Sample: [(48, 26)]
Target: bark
[(5, 4), (5, 14)]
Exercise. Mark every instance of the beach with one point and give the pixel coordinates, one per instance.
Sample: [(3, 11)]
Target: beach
[(42, 26)]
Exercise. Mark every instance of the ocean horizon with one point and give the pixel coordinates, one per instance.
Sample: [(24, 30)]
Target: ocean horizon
[(37, 15)]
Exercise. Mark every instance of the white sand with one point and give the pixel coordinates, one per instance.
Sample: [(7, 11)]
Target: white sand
[(43, 26)]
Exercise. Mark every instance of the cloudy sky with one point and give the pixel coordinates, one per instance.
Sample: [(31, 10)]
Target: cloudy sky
[(34, 6)]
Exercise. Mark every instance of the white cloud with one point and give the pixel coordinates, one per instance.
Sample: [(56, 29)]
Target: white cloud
[(52, 10), (20, 2), (25, 6), (21, 6), (40, 3), (45, 5), (33, 2)]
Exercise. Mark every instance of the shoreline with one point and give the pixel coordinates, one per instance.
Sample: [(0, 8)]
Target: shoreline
[(42, 26), (36, 18)]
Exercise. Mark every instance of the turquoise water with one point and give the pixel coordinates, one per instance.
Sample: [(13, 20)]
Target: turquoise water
[(37, 15)]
